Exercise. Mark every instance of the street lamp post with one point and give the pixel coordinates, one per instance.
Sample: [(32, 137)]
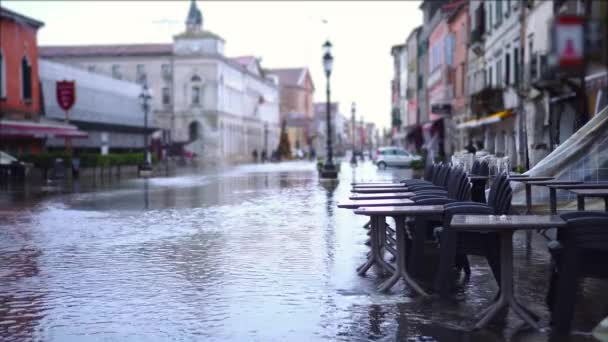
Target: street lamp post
[(144, 99), (353, 158), (329, 169)]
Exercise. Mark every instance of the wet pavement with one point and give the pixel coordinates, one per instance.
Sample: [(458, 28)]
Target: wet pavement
[(255, 253)]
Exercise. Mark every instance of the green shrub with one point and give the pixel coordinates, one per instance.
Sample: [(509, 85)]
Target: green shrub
[(47, 159), (417, 164)]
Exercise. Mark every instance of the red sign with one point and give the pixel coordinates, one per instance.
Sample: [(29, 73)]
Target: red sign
[(569, 39), (66, 94)]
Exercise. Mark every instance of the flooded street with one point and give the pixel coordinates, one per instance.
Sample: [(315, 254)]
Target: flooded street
[(254, 253)]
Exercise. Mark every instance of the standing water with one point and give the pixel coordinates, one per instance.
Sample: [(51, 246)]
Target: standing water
[(255, 253)]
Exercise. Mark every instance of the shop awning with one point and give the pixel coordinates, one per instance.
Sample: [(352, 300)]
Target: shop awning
[(39, 130), (490, 119)]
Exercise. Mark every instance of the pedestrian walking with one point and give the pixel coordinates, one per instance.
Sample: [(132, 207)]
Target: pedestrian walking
[(254, 154)]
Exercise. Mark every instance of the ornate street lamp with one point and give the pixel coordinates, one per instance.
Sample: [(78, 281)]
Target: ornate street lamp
[(329, 169), (144, 99), (353, 158)]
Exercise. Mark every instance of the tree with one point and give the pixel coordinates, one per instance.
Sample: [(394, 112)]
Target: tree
[(284, 145)]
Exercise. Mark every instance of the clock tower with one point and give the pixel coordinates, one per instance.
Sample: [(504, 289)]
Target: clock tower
[(195, 40)]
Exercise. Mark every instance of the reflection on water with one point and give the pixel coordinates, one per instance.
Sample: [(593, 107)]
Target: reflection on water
[(257, 252)]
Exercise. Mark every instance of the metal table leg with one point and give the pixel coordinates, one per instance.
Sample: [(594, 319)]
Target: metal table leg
[(507, 297), (580, 202), (375, 257), (401, 271), (528, 199), (553, 200)]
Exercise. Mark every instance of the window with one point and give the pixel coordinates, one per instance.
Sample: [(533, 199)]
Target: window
[(166, 96), (165, 70), (26, 79), (490, 83), (116, 73), (489, 16), (498, 6), (499, 73), (91, 68), (140, 74), (449, 49), (2, 76), (196, 95), (507, 69), (516, 66)]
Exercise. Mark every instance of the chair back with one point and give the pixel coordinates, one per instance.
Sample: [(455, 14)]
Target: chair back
[(428, 172), (500, 195), (475, 167), (442, 176), (484, 168), (586, 230)]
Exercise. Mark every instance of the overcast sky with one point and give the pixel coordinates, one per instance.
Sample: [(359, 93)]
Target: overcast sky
[(282, 33)]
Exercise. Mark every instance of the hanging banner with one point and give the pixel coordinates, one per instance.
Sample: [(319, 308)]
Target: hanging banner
[(569, 40), (66, 94)]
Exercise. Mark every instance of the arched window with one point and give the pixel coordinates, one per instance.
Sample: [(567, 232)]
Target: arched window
[(196, 89), (26, 79)]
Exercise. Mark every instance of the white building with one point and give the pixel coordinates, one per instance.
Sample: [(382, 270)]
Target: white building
[(107, 109), (217, 107)]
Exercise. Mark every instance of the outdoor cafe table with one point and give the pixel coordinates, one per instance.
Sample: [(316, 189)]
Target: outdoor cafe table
[(374, 203), (373, 182), (380, 190), (386, 195), (552, 190), (505, 226), (374, 186), (377, 215), (526, 180), (582, 193)]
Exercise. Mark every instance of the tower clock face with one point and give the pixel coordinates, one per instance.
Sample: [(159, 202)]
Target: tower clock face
[(195, 47)]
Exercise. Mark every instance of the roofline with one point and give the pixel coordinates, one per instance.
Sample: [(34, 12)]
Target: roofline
[(414, 31), (6, 13)]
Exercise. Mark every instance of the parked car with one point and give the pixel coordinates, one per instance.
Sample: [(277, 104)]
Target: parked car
[(394, 156), (11, 167)]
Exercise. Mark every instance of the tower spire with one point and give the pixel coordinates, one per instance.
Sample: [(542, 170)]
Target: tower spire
[(194, 21)]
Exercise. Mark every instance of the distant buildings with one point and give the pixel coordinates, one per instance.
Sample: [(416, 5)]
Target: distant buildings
[(296, 103), (217, 107), (488, 72)]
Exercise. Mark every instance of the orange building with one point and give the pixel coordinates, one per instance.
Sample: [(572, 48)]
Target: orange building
[(21, 129)]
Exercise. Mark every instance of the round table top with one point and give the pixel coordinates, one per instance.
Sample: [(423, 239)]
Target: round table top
[(509, 222), (530, 179), (375, 203), (413, 210), (387, 195)]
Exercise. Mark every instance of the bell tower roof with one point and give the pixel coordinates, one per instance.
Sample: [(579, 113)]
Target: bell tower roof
[(194, 21)]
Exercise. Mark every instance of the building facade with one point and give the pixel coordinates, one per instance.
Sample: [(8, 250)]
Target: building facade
[(296, 90), (108, 110), (23, 129), (218, 108)]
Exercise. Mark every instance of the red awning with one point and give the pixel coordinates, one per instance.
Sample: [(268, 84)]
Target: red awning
[(39, 130)]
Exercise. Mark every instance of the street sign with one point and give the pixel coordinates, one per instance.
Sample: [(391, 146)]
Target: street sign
[(569, 40), (66, 94)]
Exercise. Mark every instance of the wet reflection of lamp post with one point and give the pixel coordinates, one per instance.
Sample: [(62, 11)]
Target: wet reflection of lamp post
[(329, 169), (265, 138), (353, 158), (144, 99)]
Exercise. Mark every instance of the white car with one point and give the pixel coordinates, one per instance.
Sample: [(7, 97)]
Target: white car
[(7, 159), (394, 156)]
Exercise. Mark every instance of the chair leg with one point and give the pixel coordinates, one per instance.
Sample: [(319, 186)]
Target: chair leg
[(447, 257), (565, 296)]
